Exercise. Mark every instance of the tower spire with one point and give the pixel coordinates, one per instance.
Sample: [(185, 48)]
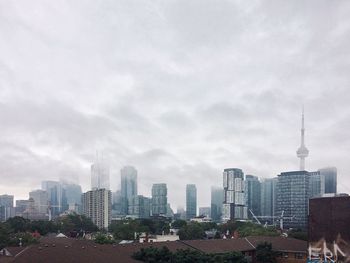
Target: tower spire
[(302, 152)]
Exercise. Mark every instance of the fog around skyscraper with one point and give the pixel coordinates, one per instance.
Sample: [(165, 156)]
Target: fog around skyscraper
[(178, 89)]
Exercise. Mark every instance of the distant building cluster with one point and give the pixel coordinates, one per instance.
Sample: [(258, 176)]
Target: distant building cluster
[(282, 200)]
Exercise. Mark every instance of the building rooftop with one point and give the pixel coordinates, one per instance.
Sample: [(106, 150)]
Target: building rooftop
[(65, 250)]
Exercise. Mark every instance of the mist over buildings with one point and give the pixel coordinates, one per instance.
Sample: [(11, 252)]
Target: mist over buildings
[(178, 89)]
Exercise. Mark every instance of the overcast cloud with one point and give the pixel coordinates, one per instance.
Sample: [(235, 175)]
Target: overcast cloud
[(178, 89)]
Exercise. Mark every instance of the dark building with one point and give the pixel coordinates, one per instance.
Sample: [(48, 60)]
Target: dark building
[(252, 193), (328, 218), (217, 198), (268, 199), (292, 198), (191, 201), (329, 231), (330, 179)]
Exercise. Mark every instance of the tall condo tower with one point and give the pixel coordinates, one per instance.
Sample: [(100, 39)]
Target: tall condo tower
[(302, 152), (100, 174)]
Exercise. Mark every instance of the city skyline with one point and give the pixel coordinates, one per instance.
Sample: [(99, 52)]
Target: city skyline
[(209, 88)]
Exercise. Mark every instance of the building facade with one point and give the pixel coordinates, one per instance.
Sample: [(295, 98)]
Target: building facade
[(100, 175), (292, 198), (330, 178), (191, 201), (41, 200), (252, 193), (6, 207), (56, 195), (159, 199), (97, 205), (234, 204), (268, 199), (316, 184), (204, 211), (73, 194), (139, 206), (328, 229), (217, 199), (128, 186)]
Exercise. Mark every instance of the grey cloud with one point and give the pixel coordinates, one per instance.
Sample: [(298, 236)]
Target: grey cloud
[(180, 89)]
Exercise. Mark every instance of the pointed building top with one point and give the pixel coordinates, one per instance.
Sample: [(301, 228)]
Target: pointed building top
[(302, 152)]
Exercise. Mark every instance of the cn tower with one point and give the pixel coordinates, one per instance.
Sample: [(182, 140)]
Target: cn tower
[(302, 152)]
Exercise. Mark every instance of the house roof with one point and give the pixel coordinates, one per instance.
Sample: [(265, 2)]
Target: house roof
[(66, 250)]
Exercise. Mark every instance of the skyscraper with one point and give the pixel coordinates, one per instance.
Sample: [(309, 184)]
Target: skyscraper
[(97, 205), (139, 206), (302, 152), (330, 178), (73, 193), (56, 195), (293, 197), (269, 198), (204, 211), (252, 194), (217, 199), (6, 207), (41, 200), (191, 201), (128, 186), (159, 199), (234, 204), (316, 184), (100, 174)]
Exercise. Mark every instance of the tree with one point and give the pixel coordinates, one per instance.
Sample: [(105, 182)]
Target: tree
[(5, 232), (18, 224), (178, 223), (265, 254), (103, 239), (191, 231)]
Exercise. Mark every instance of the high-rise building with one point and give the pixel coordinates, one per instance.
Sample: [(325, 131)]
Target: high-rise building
[(252, 194), (293, 197), (169, 211), (191, 201), (329, 219), (234, 204), (316, 184), (21, 206), (302, 151), (269, 199), (6, 207), (330, 178), (128, 186), (56, 195), (100, 174), (41, 200), (117, 209), (217, 199), (204, 211), (97, 205), (139, 206), (180, 213), (73, 193), (159, 199)]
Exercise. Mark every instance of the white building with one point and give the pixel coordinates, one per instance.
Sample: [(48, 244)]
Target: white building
[(100, 175), (234, 204), (97, 205), (41, 200)]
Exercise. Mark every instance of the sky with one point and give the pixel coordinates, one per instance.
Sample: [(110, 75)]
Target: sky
[(178, 89)]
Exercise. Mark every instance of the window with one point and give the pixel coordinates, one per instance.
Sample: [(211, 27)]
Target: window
[(298, 255)]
